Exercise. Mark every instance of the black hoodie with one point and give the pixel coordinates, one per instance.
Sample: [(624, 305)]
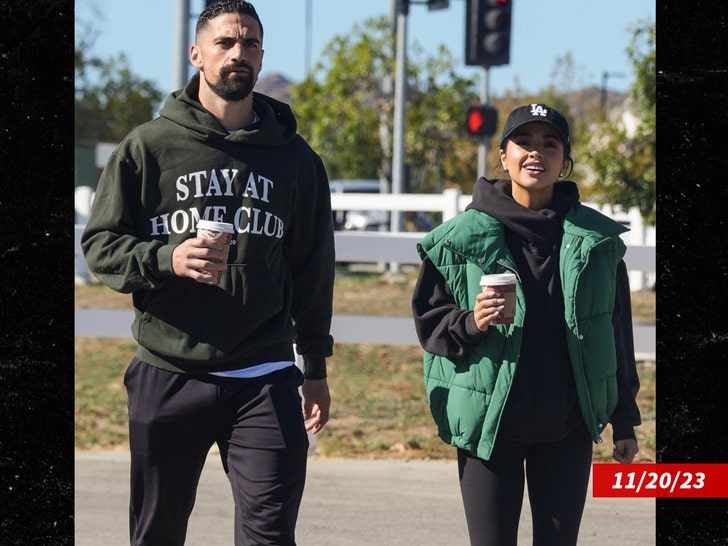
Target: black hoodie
[(184, 166), (542, 403)]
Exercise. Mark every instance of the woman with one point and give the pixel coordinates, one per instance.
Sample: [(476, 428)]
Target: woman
[(535, 393)]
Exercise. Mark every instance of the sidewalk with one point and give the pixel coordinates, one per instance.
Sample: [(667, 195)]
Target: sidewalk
[(347, 502)]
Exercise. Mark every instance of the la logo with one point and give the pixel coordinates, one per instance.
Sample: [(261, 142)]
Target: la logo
[(538, 110)]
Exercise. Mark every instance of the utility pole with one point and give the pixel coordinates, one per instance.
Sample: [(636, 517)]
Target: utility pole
[(487, 43), (401, 12), (605, 77), (398, 131), (385, 134), (307, 60), (400, 9), (400, 89), (484, 143), (180, 61)]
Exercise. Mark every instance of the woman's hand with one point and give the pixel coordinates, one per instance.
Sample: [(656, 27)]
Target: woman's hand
[(625, 450), (488, 306)]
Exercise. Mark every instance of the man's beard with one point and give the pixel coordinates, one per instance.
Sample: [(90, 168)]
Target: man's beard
[(233, 89)]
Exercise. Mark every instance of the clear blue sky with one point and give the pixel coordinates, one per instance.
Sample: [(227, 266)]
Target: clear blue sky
[(594, 33)]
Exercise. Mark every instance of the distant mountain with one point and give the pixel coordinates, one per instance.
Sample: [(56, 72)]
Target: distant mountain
[(275, 86), (582, 101), (589, 99)]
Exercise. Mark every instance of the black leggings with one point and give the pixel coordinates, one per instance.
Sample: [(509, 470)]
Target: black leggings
[(557, 474)]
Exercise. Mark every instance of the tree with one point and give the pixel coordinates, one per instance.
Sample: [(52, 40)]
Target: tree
[(339, 112), (109, 99), (345, 108), (440, 152), (621, 154)]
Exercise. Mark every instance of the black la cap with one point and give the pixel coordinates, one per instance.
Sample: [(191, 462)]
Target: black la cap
[(537, 112)]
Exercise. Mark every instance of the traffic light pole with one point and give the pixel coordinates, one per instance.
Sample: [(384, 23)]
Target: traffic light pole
[(483, 148), (180, 61), (487, 43), (400, 88), (398, 130)]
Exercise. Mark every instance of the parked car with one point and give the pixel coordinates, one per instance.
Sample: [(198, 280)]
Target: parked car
[(359, 220)]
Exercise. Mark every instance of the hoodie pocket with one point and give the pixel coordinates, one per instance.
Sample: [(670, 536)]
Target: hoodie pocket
[(192, 321)]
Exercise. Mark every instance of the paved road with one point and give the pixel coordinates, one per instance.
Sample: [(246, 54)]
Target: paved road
[(346, 503)]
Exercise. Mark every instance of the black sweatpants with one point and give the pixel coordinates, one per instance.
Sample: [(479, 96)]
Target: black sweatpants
[(174, 419), (557, 474)]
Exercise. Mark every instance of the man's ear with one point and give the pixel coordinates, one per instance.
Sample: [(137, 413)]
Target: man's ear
[(195, 57)]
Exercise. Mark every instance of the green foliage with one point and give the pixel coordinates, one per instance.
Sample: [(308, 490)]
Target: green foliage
[(345, 110), (338, 105), (641, 51), (438, 150), (110, 99), (622, 154)]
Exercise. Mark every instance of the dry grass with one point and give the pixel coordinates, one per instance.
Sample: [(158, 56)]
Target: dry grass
[(354, 294), (379, 407)]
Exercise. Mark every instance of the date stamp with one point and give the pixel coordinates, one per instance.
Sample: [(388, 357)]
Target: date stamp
[(660, 480)]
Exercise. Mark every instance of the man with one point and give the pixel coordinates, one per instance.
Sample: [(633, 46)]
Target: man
[(215, 363)]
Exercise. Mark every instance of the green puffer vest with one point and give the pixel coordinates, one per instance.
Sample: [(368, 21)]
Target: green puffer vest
[(467, 394)]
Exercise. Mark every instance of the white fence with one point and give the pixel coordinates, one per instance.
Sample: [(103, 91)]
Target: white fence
[(386, 247)]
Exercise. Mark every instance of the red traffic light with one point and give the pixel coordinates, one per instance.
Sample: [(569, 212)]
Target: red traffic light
[(482, 120)]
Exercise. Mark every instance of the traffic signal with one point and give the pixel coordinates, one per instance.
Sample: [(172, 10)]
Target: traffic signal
[(482, 120), (437, 4), (488, 32)]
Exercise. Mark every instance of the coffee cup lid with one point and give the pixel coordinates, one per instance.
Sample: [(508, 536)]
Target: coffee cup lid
[(215, 226), (499, 278)]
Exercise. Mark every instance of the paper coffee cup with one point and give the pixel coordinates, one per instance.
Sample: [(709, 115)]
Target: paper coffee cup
[(505, 284), (222, 231)]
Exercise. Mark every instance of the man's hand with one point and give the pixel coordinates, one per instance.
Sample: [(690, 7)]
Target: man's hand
[(316, 403), (625, 450), (196, 257)]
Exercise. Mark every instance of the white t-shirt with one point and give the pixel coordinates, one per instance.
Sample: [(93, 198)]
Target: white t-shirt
[(256, 371)]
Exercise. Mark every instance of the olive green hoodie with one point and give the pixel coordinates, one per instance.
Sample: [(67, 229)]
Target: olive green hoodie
[(182, 167)]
